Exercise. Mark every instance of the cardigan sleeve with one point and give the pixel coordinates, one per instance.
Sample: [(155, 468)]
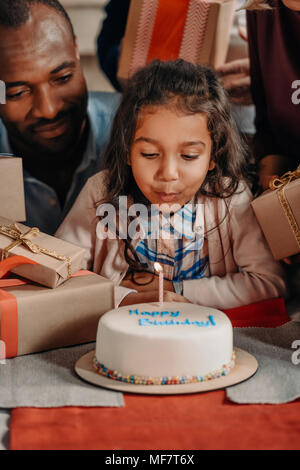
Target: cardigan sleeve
[(253, 276), (80, 225)]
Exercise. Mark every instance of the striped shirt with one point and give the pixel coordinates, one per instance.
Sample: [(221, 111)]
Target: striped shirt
[(175, 242)]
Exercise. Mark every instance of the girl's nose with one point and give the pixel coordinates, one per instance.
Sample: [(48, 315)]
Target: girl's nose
[(168, 169)]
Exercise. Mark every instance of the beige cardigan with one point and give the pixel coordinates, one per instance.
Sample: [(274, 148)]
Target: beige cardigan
[(241, 265)]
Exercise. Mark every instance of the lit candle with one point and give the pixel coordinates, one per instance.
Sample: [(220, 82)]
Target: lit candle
[(158, 268)]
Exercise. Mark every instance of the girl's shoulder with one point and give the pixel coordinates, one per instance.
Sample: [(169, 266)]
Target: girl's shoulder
[(97, 186), (242, 195)]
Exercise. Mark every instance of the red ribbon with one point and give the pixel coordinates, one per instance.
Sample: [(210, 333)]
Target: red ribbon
[(9, 304), (168, 30)]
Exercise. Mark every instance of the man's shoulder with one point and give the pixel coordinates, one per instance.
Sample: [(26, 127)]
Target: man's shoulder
[(103, 102), (4, 148)]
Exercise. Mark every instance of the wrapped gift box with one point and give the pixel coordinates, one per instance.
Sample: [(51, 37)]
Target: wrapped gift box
[(55, 259), (34, 318), (195, 30), (278, 213), (12, 203)]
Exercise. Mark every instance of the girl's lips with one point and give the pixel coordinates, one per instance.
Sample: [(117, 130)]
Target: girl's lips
[(167, 197)]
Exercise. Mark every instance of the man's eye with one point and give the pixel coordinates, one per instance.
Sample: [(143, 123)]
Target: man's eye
[(64, 78), (15, 96)]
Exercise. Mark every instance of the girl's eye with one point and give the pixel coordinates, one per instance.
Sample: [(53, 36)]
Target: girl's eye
[(149, 155), (190, 157)]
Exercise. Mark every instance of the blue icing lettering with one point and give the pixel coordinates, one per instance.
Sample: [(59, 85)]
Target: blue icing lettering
[(144, 322), (174, 314), (147, 322), (154, 314), (164, 313), (133, 312)]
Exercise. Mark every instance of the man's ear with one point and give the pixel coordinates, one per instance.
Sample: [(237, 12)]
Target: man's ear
[(212, 165)]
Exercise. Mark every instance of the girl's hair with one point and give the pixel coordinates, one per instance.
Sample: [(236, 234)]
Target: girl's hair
[(191, 89)]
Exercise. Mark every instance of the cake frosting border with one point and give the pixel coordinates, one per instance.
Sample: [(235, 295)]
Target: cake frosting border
[(174, 380)]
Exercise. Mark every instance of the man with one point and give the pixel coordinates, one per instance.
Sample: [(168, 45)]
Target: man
[(49, 118)]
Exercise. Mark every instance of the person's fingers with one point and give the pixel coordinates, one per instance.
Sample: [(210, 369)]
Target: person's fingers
[(233, 67), (240, 84), (243, 33), (265, 180), (173, 297)]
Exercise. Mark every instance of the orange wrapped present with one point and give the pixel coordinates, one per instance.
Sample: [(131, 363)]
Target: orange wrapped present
[(195, 30)]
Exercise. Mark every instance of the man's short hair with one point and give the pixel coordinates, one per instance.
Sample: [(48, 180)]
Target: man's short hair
[(15, 13)]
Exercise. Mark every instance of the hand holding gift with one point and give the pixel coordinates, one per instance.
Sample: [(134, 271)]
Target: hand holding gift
[(278, 213)]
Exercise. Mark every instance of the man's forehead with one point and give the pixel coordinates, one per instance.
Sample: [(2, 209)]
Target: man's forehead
[(44, 39)]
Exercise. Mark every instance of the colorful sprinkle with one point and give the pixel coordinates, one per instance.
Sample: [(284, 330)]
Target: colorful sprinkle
[(133, 379)]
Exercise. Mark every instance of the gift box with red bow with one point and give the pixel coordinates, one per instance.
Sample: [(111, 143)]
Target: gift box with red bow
[(35, 318)]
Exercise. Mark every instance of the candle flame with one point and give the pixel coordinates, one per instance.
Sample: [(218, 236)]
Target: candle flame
[(158, 268)]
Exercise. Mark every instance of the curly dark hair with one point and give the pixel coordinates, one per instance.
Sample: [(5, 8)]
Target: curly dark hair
[(192, 89), (196, 90)]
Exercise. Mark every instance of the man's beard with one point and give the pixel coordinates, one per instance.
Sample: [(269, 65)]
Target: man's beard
[(55, 150)]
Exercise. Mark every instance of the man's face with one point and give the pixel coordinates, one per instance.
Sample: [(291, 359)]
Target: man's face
[(46, 95)]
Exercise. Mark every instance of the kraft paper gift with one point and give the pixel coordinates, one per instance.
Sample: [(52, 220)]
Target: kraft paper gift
[(55, 260), (12, 202), (34, 318), (278, 213), (195, 30)]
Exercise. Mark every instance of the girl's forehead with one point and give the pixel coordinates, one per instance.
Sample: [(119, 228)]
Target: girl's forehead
[(150, 111)]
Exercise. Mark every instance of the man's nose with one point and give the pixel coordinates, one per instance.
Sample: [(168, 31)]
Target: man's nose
[(168, 169), (45, 104)]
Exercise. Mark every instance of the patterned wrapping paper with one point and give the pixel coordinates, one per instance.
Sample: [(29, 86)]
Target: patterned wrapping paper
[(195, 30), (34, 318), (278, 213), (54, 260)]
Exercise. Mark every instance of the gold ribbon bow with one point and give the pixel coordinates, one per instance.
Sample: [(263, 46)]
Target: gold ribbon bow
[(279, 185), (285, 179), (13, 231)]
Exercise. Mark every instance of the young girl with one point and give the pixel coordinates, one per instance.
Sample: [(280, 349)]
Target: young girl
[(176, 155)]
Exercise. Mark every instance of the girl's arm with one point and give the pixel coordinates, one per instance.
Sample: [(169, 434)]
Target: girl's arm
[(151, 296), (79, 226), (244, 247)]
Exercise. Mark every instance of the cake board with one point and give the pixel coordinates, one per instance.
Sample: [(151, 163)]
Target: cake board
[(245, 366)]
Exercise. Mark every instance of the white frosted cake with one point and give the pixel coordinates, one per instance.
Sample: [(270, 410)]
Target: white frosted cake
[(150, 345)]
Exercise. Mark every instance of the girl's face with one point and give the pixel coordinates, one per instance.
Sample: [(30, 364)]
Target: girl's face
[(170, 155)]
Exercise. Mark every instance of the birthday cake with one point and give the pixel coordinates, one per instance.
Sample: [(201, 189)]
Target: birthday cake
[(174, 344)]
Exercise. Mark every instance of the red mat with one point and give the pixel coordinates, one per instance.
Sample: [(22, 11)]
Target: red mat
[(200, 421)]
